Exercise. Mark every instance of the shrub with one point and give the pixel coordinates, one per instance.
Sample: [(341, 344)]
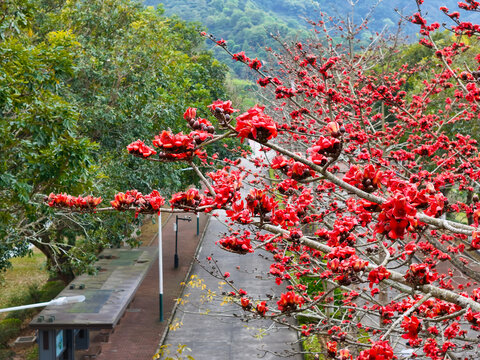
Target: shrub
[(9, 328)]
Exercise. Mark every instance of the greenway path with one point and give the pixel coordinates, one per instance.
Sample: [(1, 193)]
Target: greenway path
[(216, 331), (213, 331)]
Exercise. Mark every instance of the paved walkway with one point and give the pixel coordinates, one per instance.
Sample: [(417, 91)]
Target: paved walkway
[(213, 331), (139, 333)]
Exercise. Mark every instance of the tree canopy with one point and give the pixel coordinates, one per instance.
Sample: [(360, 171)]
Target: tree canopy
[(80, 79)]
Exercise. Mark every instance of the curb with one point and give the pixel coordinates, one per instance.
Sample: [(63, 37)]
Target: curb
[(187, 275)]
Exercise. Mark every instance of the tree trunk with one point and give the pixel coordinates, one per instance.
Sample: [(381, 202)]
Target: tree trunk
[(58, 262)]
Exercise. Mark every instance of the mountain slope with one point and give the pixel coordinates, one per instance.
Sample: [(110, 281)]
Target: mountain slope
[(246, 24)]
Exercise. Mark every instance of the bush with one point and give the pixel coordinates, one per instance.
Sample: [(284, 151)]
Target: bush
[(9, 328), (32, 354), (6, 354), (33, 295), (51, 289)]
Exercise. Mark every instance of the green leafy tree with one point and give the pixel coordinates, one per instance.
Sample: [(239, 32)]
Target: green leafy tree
[(41, 146), (81, 74)]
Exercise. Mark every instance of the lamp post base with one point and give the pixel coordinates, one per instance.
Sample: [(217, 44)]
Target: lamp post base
[(161, 306)]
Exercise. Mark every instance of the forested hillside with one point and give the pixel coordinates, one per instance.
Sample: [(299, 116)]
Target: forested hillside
[(246, 25)]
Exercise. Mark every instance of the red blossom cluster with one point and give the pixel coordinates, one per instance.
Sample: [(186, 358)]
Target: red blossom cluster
[(246, 304), (259, 203), (412, 325), (378, 274), (236, 243), (224, 106), (420, 274), (290, 301), (368, 180), (380, 350), (174, 146), (323, 148), (332, 348), (294, 169), (396, 217), (188, 200), (226, 185), (262, 308), (87, 203), (145, 204), (138, 148), (241, 57), (256, 125)]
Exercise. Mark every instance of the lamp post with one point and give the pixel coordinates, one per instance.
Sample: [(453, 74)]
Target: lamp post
[(160, 267), (175, 228), (198, 224)]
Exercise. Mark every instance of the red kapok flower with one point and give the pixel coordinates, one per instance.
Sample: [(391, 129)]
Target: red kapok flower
[(175, 146), (289, 301), (420, 274), (378, 274), (397, 215), (262, 308), (412, 326), (190, 113), (332, 348), (226, 106), (88, 203), (138, 148), (380, 350), (255, 124), (238, 244), (188, 200), (255, 64), (245, 302), (241, 57)]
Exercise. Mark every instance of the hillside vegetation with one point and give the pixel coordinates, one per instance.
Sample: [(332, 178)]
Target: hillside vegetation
[(247, 25)]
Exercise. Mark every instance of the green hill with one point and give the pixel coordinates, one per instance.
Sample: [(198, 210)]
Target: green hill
[(247, 24)]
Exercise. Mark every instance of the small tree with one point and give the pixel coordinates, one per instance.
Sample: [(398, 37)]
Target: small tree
[(366, 192)]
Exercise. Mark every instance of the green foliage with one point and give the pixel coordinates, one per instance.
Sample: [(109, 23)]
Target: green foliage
[(41, 146), (137, 74), (245, 25), (34, 294), (79, 81), (6, 354), (32, 354), (9, 328)]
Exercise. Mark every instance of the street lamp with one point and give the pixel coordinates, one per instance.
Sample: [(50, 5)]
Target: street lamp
[(160, 266), (55, 302), (175, 228)]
